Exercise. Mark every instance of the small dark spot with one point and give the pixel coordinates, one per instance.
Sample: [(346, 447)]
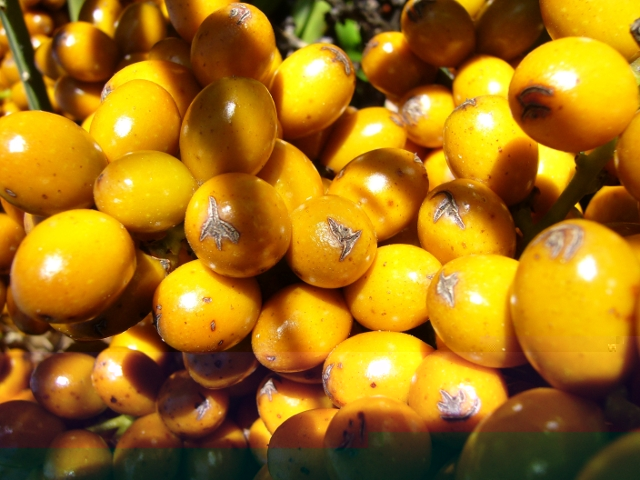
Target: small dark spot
[(220, 342), (206, 299), (305, 470), (113, 399), (213, 325), (373, 385), (218, 363), (11, 193)]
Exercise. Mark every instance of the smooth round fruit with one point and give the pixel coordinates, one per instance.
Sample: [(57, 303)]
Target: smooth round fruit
[(127, 120), (297, 446), (482, 142), (147, 450), (617, 458), (28, 430), (41, 176), (611, 24), (139, 27), (391, 66), (77, 454), (481, 75), (235, 40), (372, 363), (563, 100), (11, 235), (377, 438), (453, 395), (76, 98), (424, 110), (440, 32), (187, 15), (574, 263), (62, 384), (219, 311), (238, 225), (222, 369), (468, 302), (358, 132), (539, 428), (188, 409), (462, 217), (311, 88), (389, 184), (101, 13), (299, 326), (333, 242), (392, 294), (292, 174), (279, 399), (508, 28), (229, 127), (147, 191), (85, 52), (127, 380), (72, 266), (176, 79)]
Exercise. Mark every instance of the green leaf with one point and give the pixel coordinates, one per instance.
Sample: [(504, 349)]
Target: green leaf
[(316, 25), (348, 33)]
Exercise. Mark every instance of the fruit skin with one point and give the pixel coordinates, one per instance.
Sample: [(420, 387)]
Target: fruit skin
[(440, 32), (127, 120), (78, 454), (235, 40), (575, 263), (44, 176), (61, 383), (229, 127), (372, 363), (72, 266), (238, 225), (377, 438), (482, 142), (608, 22), (219, 311), (564, 100), (541, 428), (311, 88), (299, 326), (619, 459), (333, 242), (468, 303), (627, 157)]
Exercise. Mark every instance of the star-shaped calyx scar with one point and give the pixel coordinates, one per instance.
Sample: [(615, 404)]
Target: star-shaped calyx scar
[(345, 236), (448, 207), (446, 286), (217, 228)]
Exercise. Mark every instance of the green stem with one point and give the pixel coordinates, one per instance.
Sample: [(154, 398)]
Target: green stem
[(74, 7), (20, 44), (120, 424), (587, 179)]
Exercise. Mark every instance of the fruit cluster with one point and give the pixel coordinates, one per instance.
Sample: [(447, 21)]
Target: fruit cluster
[(234, 272)]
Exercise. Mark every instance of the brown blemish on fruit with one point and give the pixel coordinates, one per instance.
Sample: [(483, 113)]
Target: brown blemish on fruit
[(213, 325), (339, 56), (455, 408), (415, 11), (562, 239), (448, 207), (11, 193), (412, 110), (445, 288), (268, 389), (635, 31), (345, 236), (217, 228), (242, 12), (532, 99)]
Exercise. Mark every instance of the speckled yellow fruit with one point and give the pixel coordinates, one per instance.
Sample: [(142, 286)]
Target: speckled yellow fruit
[(574, 304)]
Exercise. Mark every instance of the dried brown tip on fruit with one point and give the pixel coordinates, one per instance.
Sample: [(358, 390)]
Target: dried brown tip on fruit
[(532, 99), (635, 31)]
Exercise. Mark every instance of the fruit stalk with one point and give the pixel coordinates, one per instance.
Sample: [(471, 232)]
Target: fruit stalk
[(20, 44), (587, 179)]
